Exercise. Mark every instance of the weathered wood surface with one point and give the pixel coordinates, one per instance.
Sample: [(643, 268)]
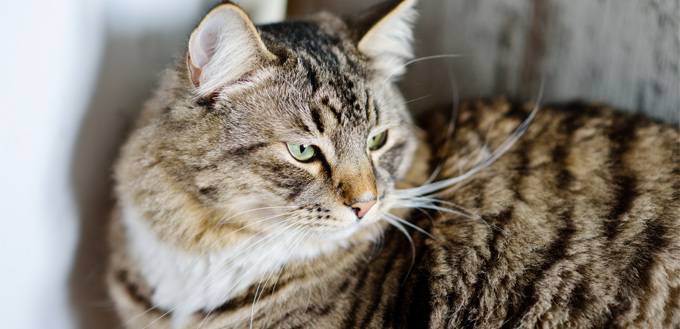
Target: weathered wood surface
[(622, 52)]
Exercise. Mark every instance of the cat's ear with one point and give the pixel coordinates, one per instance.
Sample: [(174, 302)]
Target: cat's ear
[(224, 47), (385, 33)]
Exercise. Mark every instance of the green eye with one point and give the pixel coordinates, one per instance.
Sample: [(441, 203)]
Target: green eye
[(377, 141), (302, 153)]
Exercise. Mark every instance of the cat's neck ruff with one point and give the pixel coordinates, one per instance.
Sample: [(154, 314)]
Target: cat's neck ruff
[(185, 282)]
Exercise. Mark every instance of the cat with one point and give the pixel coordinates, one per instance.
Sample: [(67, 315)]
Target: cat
[(277, 179)]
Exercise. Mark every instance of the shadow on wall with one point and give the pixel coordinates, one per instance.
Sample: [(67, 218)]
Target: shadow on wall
[(130, 70)]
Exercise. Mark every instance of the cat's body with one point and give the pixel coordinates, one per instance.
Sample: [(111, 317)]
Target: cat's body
[(576, 225)]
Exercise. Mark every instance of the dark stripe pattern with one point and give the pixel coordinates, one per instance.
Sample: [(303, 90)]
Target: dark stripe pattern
[(561, 237)]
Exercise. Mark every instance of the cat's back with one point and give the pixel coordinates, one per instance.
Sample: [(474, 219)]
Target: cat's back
[(577, 225)]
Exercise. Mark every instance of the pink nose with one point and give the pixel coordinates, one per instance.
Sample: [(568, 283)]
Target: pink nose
[(362, 207)]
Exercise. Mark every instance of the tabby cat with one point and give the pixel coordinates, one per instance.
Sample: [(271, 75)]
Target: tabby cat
[(277, 180)]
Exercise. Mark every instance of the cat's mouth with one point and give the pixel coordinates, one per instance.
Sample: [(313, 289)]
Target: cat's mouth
[(367, 228), (345, 220)]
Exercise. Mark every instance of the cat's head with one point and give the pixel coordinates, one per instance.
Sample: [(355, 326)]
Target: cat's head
[(296, 124)]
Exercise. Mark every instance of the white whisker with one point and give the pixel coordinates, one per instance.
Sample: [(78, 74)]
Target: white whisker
[(426, 201), (451, 128), (207, 283), (246, 274), (416, 60), (417, 99), (295, 243), (222, 221), (377, 245), (448, 203), (502, 149), (408, 236), (287, 82), (414, 226), (244, 227)]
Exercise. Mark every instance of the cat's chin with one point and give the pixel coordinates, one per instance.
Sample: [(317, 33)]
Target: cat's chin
[(339, 235), (346, 237)]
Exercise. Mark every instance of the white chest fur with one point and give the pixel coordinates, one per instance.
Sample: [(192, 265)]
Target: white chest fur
[(184, 283)]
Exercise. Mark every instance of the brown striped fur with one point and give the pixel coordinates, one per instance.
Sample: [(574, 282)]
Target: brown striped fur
[(577, 225)]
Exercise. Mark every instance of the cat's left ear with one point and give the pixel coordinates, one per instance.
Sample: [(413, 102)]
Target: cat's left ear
[(385, 33), (223, 48)]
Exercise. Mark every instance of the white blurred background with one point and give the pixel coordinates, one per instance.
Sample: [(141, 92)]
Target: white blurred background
[(73, 74)]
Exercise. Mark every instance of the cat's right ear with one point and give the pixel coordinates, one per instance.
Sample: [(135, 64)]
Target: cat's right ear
[(223, 48), (384, 33)]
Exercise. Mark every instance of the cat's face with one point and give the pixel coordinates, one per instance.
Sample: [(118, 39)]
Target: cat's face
[(327, 149), (308, 131)]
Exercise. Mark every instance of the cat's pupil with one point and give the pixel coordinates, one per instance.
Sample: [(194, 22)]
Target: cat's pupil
[(302, 152), (377, 141)]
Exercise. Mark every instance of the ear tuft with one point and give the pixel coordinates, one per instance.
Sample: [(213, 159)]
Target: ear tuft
[(224, 47), (388, 36)]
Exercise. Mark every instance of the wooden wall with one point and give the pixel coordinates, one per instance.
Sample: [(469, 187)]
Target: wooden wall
[(622, 52)]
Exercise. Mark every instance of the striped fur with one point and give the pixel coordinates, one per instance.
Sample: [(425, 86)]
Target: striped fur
[(576, 225)]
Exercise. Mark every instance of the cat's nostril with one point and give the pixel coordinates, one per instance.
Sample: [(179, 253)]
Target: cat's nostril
[(362, 207)]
